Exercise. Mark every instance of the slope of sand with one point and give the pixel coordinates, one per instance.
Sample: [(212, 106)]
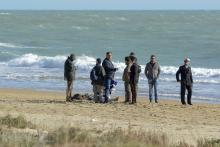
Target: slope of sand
[(48, 111)]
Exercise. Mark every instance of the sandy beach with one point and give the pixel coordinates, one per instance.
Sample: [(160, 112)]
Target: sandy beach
[(48, 111)]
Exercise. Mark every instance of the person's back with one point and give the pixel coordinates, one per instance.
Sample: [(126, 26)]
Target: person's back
[(100, 73), (97, 76), (134, 76)]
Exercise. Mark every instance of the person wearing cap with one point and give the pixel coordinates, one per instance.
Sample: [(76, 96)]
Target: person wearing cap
[(109, 75), (186, 81), (98, 73), (152, 72), (69, 75)]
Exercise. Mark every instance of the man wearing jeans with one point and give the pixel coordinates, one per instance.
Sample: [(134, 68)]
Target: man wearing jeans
[(109, 75), (152, 72)]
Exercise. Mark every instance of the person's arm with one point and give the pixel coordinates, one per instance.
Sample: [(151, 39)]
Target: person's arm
[(136, 73), (177, 75), (191, 78), (103, 72), (159, 70), (146, 70), (132, 75)]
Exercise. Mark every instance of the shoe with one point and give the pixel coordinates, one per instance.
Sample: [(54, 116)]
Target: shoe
[(190, 104), (68, 99), (156, 101), (184, 103)]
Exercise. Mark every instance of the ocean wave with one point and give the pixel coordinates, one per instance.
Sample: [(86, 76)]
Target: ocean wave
[(198, 72), (116, 18), (5, 13), (80, 28), (85, 63), (8, 45), (11, 45)]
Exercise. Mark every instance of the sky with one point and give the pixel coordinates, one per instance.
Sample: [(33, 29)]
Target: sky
[(110, 4)]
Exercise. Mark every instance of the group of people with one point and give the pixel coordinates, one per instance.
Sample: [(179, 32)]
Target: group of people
[(102, 78)]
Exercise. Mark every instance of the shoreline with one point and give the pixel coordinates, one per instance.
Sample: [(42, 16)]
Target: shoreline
[(49, 111), (139, 98)]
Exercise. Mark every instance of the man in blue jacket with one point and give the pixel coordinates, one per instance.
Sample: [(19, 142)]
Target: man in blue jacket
[(109, 75)]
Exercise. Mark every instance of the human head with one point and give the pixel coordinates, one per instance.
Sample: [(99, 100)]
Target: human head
[(153, 58), (98, 61), (109, 55), (72, 57), (186, 61), (127, 60), (132, 54), (133, 59)]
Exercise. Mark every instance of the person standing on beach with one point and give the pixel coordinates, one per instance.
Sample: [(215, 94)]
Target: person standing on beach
[(152, 72), (109, 75), (186, 81), (126, 79), (97, 76), (134, 78), (69, 75)]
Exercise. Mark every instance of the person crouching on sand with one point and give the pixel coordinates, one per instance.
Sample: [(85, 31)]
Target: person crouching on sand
[(126, 79), (97, 77), (152, 72), (69, 75), (186, 81)]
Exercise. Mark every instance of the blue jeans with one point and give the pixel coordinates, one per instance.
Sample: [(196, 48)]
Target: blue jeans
[(107, 84), (152, 86)]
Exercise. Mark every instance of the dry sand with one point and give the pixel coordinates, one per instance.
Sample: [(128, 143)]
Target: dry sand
[(48, 110)]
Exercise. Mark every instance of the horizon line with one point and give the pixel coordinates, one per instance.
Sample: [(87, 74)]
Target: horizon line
[(109, 9)]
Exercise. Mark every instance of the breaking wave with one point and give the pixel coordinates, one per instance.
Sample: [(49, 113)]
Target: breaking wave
[(86, 63)]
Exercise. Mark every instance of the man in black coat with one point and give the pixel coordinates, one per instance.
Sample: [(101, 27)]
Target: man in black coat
[(69, 75), (109, 75), (186, 81), (134, 78)]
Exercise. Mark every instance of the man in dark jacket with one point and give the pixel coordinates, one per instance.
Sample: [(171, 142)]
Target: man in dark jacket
[(69, 75), (109, 75), (134, 78), (126, 79), (97, 77), (186, 81)]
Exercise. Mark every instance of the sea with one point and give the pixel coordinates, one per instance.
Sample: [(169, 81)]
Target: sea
[(35, 44)]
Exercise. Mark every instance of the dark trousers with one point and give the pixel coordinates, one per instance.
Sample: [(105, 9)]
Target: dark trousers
[(185, 87), (134, 92)]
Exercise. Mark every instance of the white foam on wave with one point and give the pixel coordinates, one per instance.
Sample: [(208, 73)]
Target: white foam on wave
[(85, 63), (11, 45), (198, 72), (80, 28), (8, 45), (5, 13)]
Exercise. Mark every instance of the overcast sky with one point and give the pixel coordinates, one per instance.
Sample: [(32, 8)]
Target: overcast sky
[(111, 4)]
